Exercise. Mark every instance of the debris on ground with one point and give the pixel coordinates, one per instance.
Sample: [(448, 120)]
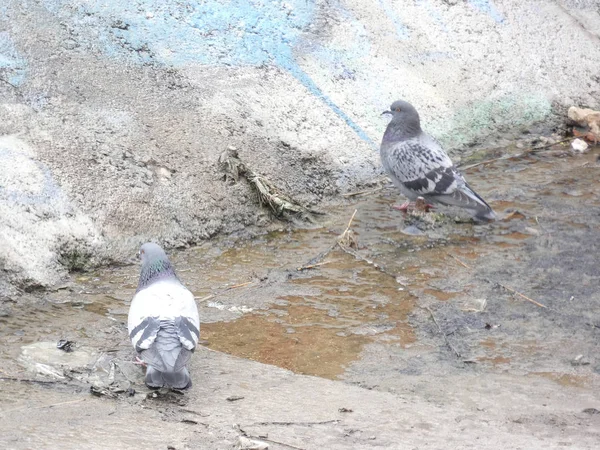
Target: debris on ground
[(282, 205), (249, 444), (579, 145), (589, 120), (579, 360), (111, 391), (65, 345)]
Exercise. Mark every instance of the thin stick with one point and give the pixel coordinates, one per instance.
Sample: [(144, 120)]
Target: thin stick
[(353, 194), (350, 222), (522, 295), (312, 266), (533, 151), (273, 441), (306, 424), (239, 285), (203, 299), (366, 260), (52, 405), (314, 261), (458, 355), (28, 380), (459, 261)]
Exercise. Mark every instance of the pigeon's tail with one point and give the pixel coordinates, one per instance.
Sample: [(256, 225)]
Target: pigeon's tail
[(175, 380), (167, 360), (467, 198)]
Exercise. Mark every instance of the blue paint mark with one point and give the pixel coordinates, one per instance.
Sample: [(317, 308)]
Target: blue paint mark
[(487, 7), (434, 14), (211, 32), (13, 68), (301, 76), (390, 12), (49, 191)]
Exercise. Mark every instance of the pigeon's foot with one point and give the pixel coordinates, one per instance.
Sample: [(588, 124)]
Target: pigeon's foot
[(419, 205), (139, 362), (403, 207), (422, 206)]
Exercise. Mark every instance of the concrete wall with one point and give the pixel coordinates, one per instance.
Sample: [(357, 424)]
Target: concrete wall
[(113, 112)]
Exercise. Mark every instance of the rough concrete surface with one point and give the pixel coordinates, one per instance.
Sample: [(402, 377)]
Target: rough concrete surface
[(123, 107), (239, 397)]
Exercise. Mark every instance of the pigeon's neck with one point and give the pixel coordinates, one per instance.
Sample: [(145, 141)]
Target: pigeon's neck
[(158, 270), (402, 130)]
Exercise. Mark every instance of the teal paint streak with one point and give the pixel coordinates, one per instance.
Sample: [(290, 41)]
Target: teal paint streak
[(13, 68), (488, 7), (401, 29), (212, 32)]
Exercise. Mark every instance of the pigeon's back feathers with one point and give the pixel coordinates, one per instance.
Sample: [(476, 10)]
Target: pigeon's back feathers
[(420, 167), (163, 322)]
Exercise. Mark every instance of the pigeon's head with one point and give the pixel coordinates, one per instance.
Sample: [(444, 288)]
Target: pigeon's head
[(405, 118), (401, 110), (150, 252), (155, 265)]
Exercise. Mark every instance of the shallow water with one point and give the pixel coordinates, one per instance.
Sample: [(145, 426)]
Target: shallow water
[(256, 304)]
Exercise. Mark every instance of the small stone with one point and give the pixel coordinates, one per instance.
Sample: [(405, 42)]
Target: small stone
[(249, 444), (531, 231), (579, 145), (475, 305), (411, 230), (579, 360), (520, 145)]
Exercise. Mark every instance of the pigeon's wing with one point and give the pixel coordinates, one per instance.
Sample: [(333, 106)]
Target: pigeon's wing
[(419, 164), (163, 302)]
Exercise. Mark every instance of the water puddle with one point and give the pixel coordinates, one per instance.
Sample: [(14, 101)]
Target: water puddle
[(255, 304)]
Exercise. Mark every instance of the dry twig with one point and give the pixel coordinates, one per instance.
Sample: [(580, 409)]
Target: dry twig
[(366, 192), (281, 204), (312, 266), (458, 355), (462, 263), (521, 295), (532, 151)]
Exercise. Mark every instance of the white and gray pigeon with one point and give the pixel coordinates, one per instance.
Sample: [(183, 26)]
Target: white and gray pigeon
[(163, 321), (419, 166)]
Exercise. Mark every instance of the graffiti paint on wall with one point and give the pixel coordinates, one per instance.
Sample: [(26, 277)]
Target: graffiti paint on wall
[(13, 68), (29, 182), (239, 33)]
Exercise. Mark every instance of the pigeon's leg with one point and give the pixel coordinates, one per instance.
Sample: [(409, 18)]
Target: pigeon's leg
[(139, 362), (421, 205), (403, 207)]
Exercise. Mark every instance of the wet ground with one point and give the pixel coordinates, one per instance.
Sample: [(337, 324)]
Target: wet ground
[(423, 308)]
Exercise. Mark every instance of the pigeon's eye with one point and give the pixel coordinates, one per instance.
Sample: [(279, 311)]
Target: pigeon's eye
[(397, 109)]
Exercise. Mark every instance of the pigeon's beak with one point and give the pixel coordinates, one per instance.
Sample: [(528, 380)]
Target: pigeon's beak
[(387, 112)]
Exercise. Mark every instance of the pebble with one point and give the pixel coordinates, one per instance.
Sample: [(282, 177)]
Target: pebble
[(249, 444), (579, 360), (579, 145), (411, 230)]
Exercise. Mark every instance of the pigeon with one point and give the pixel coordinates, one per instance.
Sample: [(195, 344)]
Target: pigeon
[(419, 166), (163, 321)]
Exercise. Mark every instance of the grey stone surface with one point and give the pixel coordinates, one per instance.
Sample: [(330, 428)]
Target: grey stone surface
[(127, 105)]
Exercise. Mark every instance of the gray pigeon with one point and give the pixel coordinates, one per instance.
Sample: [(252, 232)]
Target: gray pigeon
[(163, 321), (419, 166)]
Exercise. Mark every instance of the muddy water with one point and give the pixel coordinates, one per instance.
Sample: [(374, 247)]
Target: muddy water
[(256, 304)]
